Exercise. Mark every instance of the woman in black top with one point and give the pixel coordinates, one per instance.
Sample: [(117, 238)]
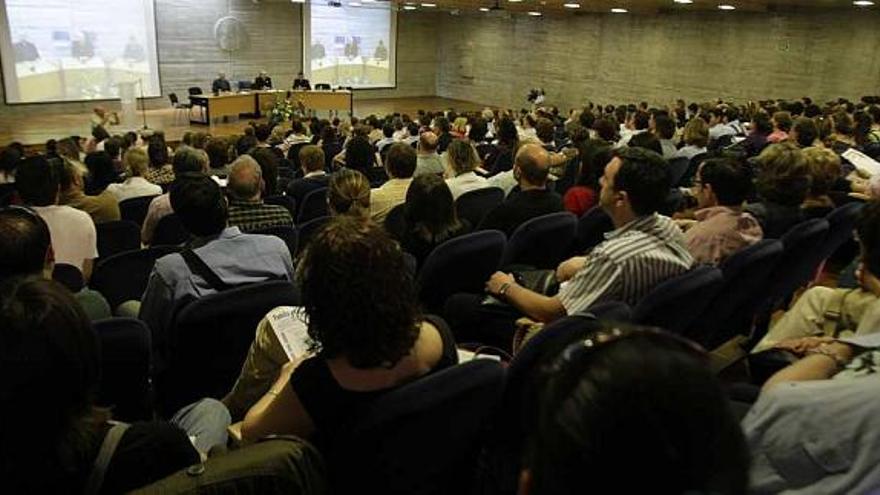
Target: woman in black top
[(51, 431), (429, 217), (368, 335), (508, 142)]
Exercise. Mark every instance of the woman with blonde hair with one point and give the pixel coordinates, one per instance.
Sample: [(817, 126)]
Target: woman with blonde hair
[(696, 138), (348, 193), (461, 163), (824, 168), (136, 163)]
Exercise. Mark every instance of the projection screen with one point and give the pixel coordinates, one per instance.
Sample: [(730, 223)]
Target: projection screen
[(59, 50), (352, 44)]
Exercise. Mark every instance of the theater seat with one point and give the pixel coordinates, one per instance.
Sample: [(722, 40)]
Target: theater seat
[(169, 232), (422, 438), (462, 264), (314, 205), (676, 303), (123, 277), (542, 242), (473, 206), (287, 234), (210, 338), (135, 209), (125, 368), (117, 237)]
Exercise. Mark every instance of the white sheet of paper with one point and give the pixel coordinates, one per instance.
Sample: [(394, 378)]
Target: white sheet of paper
[(862, 162), (465, 356), (290, 327)]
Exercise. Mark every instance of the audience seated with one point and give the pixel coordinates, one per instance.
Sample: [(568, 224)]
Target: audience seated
[(73, 234), (51, 439), (461, 165), (664, 129), (187, 161), (824, 168), (102, 208), (429, 217), (220, 254), (427, 159), (718, 126), (368, 333), (722, 228), (348, 193), (359, 155), (646, 249), (823, 311), (400, 164), (782, 123), (782, 182), (101, 172), (804, 132), (10, 157), (161, 172), (531, 168), (311, 161), (26, 250), (761, 128), (584, 194), (135, 185), (268, 162), (217, 149), (696, 138), (587, 418), (247, 211)]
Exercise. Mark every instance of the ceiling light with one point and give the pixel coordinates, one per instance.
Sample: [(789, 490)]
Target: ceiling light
[(725, 6), (514, 1), (572, 5), (297, 1), (534, 13), (354, 4), (429, 5), (409, 7), (619, 11), (684, 1), (484, 9), (863, 3)]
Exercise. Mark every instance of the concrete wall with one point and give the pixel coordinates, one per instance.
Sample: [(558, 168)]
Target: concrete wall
[(604, 58), (190, 56), (627, 58)]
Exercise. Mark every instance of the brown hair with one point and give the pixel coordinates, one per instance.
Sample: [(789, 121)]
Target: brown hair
[(348, 193)]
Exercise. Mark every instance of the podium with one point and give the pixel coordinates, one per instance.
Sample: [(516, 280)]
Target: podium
[(128, 101)]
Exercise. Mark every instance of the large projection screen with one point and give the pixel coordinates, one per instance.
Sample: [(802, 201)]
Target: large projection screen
[(61, 50), (345, 45)]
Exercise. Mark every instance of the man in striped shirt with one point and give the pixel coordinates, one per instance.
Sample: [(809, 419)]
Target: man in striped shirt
[(645, 249)]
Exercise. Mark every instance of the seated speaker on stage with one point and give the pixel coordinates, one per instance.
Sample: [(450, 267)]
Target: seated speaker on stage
[(220, 84), (263, 81), (301, 82)]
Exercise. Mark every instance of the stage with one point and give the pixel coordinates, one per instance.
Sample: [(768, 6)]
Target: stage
[(35, 130)]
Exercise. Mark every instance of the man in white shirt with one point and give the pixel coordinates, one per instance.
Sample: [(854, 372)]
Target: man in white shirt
[(388, 139), (636, 125), (74, 238), (136, 163)]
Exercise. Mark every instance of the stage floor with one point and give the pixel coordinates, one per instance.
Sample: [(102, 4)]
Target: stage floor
[(36, 130)]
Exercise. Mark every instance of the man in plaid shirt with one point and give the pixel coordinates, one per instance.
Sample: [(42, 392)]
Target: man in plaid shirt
[(246, 208)]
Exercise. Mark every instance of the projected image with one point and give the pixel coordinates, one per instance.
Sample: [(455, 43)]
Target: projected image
[(57, 50), (350, 46)]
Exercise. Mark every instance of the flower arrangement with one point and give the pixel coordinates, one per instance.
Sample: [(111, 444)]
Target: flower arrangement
[(283, 111)]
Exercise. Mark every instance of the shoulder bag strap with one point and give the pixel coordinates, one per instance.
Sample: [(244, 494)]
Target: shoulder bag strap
[(200, 268), (108, 447)]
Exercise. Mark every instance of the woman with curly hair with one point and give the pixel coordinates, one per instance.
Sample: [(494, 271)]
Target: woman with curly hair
[(366, 331)]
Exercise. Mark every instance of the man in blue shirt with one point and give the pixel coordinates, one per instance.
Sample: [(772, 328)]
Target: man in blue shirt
[(236, 259)]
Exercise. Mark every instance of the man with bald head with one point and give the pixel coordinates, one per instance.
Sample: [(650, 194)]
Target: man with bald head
[(427, 159), (246, 208), (531, 168)]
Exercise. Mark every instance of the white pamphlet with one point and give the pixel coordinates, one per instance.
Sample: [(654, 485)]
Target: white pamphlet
[(288, 323), (862, 162)]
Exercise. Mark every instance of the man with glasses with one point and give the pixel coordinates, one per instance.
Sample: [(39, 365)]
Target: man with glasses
[(721, 227)]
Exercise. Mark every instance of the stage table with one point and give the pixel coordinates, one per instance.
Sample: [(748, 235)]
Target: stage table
[(324, 100), (224, 105)]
